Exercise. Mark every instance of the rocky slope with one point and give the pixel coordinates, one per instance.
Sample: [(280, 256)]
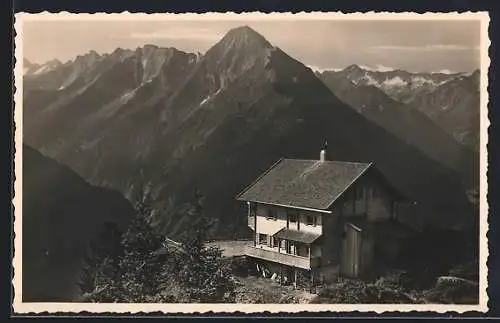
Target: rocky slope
[(454, 105), (35, 70), (177, 121), (62, 214), (450, 100)]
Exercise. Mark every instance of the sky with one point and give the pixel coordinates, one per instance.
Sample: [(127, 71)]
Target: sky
[(418, 46)]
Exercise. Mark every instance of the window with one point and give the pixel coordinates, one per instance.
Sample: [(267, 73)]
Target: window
[(283, 244), (292, 216), (276, 242), (262, 239), (271, 214), (310, 220), (302, 250)]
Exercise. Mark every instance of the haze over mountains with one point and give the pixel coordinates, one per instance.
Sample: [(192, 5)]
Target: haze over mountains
[(179, 121)]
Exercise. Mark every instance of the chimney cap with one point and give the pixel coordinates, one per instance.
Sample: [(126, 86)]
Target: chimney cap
[(322, 154)]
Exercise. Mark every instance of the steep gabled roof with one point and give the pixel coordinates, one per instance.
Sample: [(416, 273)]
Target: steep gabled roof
[(304, 183)]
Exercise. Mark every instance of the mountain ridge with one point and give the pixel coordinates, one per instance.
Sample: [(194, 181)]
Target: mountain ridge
[(432, 94)]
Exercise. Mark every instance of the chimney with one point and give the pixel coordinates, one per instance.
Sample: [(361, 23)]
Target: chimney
[(322, 154)]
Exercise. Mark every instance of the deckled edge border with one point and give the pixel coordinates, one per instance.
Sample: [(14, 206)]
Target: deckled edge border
[(263, 309)]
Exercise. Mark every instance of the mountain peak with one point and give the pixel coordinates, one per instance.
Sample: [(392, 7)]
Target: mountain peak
[(353, 67), (243, 30), (244, 36), (54, 63), (27, 62)]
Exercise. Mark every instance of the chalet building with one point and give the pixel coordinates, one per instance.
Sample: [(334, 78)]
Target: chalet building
[(322, 218)]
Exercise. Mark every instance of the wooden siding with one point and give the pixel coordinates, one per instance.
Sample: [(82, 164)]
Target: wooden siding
[(380, 207), (331, 238), (367, 197)]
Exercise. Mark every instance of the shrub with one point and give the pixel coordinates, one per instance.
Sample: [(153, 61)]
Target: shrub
[(240, 266), (453, 290), (137, 272), (356, 291)]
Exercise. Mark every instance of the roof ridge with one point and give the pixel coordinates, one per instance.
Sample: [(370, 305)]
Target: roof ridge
[(282, 184), (331, 161), (258, 178)]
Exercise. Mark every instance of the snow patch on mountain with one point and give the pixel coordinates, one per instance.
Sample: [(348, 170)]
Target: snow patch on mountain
[(210, 97), (268, 53), (110, 109), (368, 79), (445, 71), (395, 82), (417, 81), (42, 69), (127, 96), (378, 68)]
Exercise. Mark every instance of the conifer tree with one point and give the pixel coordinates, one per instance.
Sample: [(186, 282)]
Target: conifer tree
[(201, 269), (140, 267)]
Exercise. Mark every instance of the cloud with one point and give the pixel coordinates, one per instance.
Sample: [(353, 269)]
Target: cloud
[(445, 71), (199, 34), (427, 48), (323, 69), (378, 68)]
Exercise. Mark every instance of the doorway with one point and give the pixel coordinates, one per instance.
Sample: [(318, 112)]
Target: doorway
[(350, 261)]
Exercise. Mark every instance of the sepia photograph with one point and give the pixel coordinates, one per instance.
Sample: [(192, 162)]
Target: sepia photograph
[(251, 162)]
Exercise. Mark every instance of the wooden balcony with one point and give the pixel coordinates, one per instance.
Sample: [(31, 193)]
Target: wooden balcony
[(281, 257)]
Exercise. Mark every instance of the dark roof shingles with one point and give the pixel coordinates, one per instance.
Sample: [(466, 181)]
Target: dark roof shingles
[(304, 183)]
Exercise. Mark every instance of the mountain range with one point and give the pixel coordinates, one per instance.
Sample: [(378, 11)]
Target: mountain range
[(404, 121), (62, 215), (450, 100), (179, 122)]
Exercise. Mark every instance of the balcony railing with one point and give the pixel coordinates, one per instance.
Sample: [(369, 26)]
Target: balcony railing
[(281, 257)]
